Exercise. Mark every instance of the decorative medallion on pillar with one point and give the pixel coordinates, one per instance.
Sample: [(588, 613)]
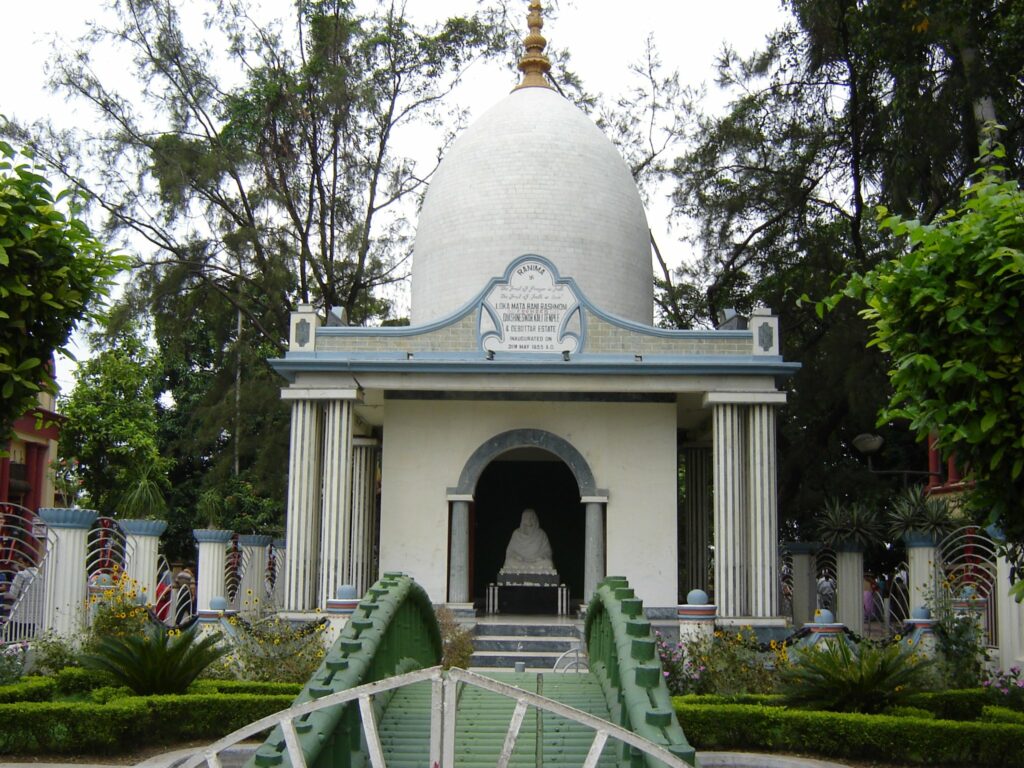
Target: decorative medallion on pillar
[(765, 328)]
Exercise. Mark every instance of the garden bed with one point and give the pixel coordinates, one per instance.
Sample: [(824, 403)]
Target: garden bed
[(763, 724), (74, 713)]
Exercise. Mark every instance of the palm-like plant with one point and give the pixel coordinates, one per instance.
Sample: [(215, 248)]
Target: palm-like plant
[(914, 512), (834, 677), (157, 661), (853, 523)]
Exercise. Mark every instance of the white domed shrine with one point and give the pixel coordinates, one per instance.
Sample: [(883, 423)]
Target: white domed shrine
[(531, 379), (532, 175)]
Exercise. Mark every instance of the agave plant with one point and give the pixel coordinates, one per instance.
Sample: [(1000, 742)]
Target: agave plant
[(912, 511), (854, 523), (835, 677), (157, 661)]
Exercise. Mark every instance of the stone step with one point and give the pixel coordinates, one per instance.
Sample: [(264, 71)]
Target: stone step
[(517, 643), (511, 629), (540, 660)]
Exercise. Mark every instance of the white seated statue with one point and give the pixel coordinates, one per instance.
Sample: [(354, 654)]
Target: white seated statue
[(529, 551)]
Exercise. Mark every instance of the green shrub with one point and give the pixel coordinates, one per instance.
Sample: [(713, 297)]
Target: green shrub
[(729, 663), (71, 727), (72, 680), (159, 661), (51, 653), (271, 650), (198, 716), (893, 740), (456, 640), (28, 689), (12, 662), (921, 714), (834, 677), (232, 687), (119, 725), (109, 693), (963, 704), (766, 699), (994, 714)]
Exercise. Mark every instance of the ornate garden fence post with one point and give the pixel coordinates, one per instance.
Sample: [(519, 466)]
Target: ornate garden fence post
[(211, 543), (144, 543), (66, 578)]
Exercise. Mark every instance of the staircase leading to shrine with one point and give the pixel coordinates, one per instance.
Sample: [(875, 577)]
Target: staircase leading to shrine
[(537, 642)]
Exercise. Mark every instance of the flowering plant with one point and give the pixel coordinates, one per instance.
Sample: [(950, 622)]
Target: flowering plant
[(12, 662), (1009, 684)]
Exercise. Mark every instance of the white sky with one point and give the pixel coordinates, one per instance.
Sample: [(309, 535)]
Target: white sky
[(603, 37)]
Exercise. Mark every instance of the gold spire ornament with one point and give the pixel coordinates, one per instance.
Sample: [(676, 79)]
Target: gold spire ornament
[(534, 64)]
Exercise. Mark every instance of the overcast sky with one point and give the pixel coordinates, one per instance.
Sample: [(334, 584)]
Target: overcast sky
[(603, 37)]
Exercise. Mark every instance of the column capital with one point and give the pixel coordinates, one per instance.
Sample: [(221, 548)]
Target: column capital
[(744, 398), (317, 393), (138, 527), (211, 535), (61, 517)]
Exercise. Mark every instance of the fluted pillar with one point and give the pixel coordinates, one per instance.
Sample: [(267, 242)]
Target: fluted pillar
[(805, 593), (336, 517), (458, 553), (921, 557), (763, 573), (212, 545), (253, 595), (66, 578), (696, 516), (144, 544), (303, 517), (730, 509), (850, 587), (594, 549), (364, 503)]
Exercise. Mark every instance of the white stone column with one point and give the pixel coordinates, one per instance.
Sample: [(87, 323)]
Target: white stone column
[(594, 547), (921, 557), (1009, 618), (805, 594), (304, 499), (280, 568), (763, 572), (253, 597), (364, 502), (336, 517), (696, 516), (66, 578), (212, 545), (850, 587), (144, 544), (458, 552), (730, 505)]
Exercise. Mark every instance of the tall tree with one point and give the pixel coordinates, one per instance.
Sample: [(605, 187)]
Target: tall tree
[(851, 105), (111, 427), (261, 170), (53, 268)]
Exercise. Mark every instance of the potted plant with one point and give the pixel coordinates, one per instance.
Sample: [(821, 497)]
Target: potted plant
[(848, 525), (916, 517)]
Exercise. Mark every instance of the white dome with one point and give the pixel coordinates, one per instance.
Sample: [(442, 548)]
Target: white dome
[(532, 175)]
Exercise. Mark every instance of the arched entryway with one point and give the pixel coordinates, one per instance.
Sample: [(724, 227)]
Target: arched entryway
[(520, 479), (526, 468)]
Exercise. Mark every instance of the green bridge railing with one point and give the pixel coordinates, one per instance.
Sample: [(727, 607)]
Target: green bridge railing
[(624, 657), (393, 630)]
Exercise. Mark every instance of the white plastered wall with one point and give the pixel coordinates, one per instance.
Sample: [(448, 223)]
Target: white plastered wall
[(631, 449)]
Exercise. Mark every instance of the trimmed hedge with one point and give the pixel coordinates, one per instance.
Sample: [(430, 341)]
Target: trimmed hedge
[(71, 680), (28, 689), (853, 736), (84, 727), (245, 686), (995, 714)]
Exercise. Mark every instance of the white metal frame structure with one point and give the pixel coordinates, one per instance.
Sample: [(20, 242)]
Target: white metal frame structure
[(965, 578), (445, 688)]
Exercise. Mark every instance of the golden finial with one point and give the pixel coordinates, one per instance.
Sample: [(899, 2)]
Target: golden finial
[(535, 63)]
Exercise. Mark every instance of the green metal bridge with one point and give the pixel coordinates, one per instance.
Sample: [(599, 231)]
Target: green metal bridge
[(380, 699)]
